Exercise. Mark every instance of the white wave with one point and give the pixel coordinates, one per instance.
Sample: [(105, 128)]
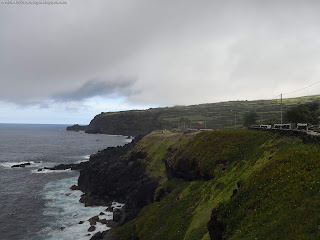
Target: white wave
[(128, 140), (81, 159), (84, 158), (33, 164), (117, 205), (51, 171), (62, 204), (106, 216), (9, 164)]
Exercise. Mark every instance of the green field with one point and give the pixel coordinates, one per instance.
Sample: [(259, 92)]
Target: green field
[(224, 114), (212, 115)]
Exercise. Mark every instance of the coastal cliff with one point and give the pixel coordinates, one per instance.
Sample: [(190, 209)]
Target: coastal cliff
[(240, 184), (111, 175), (127, 123)]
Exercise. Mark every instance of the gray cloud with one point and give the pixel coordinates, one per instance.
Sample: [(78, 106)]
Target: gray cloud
[(180, 52), (96, 87)]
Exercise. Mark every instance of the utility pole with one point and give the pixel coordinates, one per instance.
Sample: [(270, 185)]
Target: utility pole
[(281, 108), (235, 117), (205, 124)]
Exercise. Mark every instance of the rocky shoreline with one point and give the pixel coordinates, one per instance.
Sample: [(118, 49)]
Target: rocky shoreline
[(111, 175)]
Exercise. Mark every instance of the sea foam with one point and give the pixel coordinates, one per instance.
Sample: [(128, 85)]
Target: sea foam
[(51, 171), (33, 164), (66, 212)]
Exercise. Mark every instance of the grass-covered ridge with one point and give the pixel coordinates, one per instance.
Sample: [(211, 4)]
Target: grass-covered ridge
[(276, 178), (211, 115)]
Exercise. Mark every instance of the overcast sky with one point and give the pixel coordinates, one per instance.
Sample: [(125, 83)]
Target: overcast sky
[(66, 63)]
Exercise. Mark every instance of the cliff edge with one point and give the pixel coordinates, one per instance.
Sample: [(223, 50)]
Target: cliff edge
[(239, 184), (127, 123)]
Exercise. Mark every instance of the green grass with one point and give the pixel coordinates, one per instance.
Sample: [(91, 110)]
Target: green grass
[(216, 115), (279, 199), (155, 145), (189, 117)]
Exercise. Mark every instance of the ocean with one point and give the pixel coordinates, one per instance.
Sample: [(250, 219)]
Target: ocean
[(40, 205)]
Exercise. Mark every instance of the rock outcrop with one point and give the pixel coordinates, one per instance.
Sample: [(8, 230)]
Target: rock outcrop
[(112, 176), (180, 165), (22, 165), (76, 127)]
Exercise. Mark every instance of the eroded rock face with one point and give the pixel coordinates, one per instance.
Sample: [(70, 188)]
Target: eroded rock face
[(178, 165), (110, 176)]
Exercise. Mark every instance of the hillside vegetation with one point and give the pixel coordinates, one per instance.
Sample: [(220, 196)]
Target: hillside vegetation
[(228, 184), (211, 115)]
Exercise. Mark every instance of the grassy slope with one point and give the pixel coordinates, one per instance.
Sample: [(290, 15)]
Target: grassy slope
[(279, 199), (155, 145), (216, 115)]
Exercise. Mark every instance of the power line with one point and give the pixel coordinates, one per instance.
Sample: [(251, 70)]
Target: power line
[(279, 95), (291, 93), (276, 97), (301, 88)]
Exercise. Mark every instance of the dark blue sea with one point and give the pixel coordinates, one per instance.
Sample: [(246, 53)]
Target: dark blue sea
[(40, 205)]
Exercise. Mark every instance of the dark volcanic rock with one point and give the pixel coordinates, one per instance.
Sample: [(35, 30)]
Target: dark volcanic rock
[(74, 187), (240, 183), (72, 166), (110, 176), (91, 228), (159, 195), (234, 192), (94, 220), (22, 165), (215, 226), (97, 236), (109, 209), (116, 215)]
